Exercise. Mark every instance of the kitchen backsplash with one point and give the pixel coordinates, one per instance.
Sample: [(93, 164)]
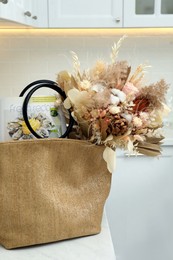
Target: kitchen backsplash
[(26, 56)]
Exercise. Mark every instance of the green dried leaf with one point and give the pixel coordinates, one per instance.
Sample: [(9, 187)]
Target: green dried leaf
[(148, 152), (149, 149)]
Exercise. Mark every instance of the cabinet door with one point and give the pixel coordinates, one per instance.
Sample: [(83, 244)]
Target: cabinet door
[(148, 13), (82, 13), (37, 13), (13, 10), (30, 12), (140, 207)]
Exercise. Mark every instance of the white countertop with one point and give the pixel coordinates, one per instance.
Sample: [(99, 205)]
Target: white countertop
[(96, 247)]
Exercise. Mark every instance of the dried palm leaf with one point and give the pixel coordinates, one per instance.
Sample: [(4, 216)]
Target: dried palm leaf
[(148, 152), (154, 140), (149, 149)]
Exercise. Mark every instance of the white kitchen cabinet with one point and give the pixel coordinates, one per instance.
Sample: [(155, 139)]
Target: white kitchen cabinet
[(82, 13), (148, 13), (13, 10), (140, 207), (37, 13), (87, 14), (30, 13)]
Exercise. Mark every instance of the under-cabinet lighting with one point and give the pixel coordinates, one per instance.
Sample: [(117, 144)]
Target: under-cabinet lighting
[(85, 31)]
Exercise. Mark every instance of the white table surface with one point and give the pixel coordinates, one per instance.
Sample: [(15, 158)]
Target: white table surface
[(96, 247)]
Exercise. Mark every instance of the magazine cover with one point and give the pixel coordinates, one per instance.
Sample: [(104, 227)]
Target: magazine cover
[(44, 117)]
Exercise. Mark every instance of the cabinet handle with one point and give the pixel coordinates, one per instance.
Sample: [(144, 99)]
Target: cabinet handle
[(27, 13), (34, 17), (4, 1), (117, 20)]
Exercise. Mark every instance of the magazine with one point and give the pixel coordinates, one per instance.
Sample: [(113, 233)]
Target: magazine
[(46, 120)]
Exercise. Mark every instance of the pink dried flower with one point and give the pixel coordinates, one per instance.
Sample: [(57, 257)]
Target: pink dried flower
[(130, 90)]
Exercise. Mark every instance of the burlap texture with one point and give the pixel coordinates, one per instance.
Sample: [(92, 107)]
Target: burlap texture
[(50, 190)]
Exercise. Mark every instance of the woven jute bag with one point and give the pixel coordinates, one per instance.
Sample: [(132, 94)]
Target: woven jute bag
[(51, 190)]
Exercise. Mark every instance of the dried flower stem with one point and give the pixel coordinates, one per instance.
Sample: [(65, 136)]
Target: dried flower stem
[(76, 63), (115, 48), (138, 74)]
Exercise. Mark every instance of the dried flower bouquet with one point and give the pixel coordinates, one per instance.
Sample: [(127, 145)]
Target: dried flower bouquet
[(113, 108)]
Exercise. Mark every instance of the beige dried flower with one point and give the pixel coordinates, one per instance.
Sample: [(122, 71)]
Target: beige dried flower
[(63, 78), (155, 93), (139, 73), (116, 48), (116, 75), (98, 71)]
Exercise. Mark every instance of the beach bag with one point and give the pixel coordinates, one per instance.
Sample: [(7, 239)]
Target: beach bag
[(51, 190)]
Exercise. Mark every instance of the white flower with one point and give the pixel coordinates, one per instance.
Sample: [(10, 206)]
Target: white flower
[(114, 109), (114, 100), (121, 95), (98, 88), (128, 117), (137, 121)]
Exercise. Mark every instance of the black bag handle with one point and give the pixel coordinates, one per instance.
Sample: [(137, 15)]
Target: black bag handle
[(35, 86), (34, 83)]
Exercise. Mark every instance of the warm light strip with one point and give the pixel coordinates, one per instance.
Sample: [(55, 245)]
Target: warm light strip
[(93, 32)]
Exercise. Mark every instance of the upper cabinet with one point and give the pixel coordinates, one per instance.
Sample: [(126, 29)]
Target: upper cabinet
[(13, 10), (88, 14), (83, 14), (148, 13), (30, 12), (36, 12)]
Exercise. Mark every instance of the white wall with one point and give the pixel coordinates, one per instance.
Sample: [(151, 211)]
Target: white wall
[(26, 56)]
